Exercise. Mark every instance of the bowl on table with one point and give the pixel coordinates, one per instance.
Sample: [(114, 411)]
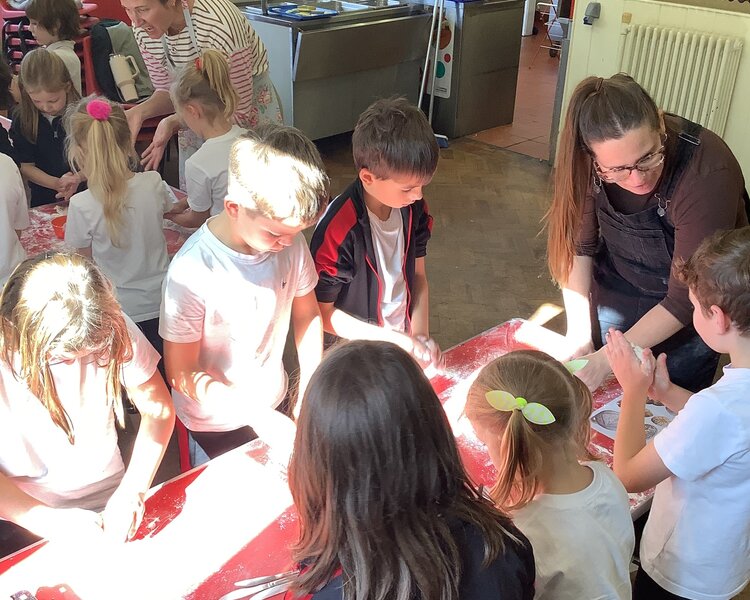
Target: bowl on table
[(58, 225)]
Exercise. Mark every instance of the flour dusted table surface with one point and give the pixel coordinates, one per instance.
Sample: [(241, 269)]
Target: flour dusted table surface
[(232, 518), (40, 237)]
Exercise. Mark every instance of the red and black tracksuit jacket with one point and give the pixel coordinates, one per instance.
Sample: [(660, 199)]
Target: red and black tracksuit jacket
[(345, 260)]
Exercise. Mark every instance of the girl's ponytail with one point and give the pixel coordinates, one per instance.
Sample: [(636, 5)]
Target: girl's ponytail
[(207, 81), (522, 462), (571, 180), (99, 144)]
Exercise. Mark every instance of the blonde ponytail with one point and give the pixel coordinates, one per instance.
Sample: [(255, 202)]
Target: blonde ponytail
[(207, 81), (101, 148)]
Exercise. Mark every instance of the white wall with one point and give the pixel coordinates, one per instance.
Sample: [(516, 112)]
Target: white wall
[(594, 51)]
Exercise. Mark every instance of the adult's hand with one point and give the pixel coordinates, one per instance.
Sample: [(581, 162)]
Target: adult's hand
[(151, 157), (596, 370), (135, 120)]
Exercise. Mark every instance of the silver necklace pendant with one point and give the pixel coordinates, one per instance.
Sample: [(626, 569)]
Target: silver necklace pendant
[(661, 212), (661, 205)]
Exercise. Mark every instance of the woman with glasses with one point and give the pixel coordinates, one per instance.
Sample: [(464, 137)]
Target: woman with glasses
[(635, 190)]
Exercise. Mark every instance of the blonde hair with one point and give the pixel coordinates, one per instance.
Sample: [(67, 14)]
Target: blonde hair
[(599, 110), (62, 303), (102, 149), (206, 81), (41, 70), (537, 377), (277, 171)]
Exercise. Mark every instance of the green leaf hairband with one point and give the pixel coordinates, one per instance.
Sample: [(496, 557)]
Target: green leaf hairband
[(533, 412)]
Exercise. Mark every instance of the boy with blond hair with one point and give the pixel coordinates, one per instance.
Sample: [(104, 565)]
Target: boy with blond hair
[(696, 543), (370, 246), (233, 288)]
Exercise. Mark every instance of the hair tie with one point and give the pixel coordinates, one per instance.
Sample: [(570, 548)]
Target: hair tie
[(533, 412), (99, 109), (199, 64)]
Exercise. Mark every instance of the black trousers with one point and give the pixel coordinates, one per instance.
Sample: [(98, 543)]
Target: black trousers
[(645, 588), (216, 443)]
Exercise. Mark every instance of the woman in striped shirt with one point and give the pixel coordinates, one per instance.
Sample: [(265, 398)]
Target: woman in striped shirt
[(171, 33)]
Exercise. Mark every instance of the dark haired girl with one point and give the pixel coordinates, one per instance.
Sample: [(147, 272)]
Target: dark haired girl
[(386, 508), (636, 189)]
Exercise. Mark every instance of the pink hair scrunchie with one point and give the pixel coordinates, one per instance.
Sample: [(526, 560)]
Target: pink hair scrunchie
[(99, 110)]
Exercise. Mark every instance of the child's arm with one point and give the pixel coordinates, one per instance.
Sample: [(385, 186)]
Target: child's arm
[(51, 523), (34, 174), (420, 298), (186, 375), (663, 390), (636, 464), (188, 217), (308, 337), (125, 508)]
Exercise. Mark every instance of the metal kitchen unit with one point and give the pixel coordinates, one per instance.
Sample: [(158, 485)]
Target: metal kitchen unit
[(328, 70), (486, 46)]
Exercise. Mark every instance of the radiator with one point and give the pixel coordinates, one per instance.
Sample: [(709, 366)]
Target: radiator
[(689, 73)]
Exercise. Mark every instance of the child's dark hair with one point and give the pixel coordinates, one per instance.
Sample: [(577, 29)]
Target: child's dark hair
[(393, 137), (718, 274), (277, 171), (59, 17), (377, 480), (539, 378)]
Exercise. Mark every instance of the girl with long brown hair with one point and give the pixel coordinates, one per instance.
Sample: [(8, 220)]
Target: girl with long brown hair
[(635, 189), (386, 508), (37, 129), (67, 352), (533, 416)]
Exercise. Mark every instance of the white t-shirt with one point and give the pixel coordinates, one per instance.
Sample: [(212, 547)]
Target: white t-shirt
[(239, 307), (696, 542), (138, 267), (206, 172), (14, 215), (36, 454), (583, 542), (65, 49), (388, 243)]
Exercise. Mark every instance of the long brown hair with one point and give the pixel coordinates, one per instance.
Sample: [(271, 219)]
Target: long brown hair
[(377, 479), (539, 378), (41, 70), (599, 109), (62, 303), (102, 149), (206, 81)]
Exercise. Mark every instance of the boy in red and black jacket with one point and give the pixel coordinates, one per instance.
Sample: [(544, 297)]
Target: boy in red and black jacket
[(370, 246)]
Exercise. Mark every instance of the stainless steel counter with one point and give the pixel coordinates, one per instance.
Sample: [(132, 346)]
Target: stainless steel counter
[(328, 70)]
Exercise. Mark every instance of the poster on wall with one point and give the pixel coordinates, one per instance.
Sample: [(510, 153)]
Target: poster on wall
[(445, 52)]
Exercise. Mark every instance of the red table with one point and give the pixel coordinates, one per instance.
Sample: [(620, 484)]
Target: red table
[(40, 237), (232, 518)]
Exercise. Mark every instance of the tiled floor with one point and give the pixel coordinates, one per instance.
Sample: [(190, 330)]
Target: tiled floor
[(535, 94)]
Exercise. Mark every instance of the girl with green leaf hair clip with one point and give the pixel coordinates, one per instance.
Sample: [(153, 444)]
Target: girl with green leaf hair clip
[(533, 414)]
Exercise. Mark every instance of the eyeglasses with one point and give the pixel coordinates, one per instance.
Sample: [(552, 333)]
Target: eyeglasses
[(644, 165)]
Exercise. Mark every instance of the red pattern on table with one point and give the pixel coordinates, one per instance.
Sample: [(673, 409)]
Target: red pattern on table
[(40, 237), (235, 513)]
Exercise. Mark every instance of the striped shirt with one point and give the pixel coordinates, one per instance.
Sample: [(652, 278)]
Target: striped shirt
[(219, 25)]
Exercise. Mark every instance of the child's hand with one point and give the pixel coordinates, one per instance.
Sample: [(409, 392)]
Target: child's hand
[(661, 383), (66, 524), (67, 185), (634, 375), (122, 515)]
